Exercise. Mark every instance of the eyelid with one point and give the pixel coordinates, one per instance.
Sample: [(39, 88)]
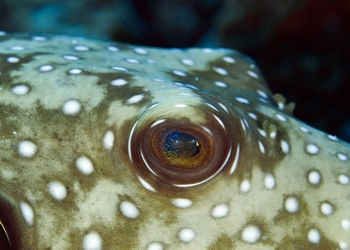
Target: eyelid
[(176, 171)]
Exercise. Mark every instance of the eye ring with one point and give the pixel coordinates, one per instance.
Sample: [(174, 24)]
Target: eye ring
[(181, 151)]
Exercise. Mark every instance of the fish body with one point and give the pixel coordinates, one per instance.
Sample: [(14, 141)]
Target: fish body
[(106, 145)]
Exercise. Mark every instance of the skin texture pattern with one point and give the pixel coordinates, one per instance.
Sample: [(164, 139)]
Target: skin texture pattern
[(111, 146)]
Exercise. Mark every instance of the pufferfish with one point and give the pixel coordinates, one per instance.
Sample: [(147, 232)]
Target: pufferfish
[(106, 145)]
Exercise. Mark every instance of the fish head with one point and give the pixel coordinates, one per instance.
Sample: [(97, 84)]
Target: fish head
[(106, 145)]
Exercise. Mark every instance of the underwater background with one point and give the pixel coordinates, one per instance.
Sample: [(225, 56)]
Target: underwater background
[(301, 46)]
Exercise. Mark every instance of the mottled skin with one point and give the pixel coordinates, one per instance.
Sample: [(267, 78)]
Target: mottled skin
[(92, 202)]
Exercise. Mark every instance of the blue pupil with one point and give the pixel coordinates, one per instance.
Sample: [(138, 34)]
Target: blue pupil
[(181, 145)]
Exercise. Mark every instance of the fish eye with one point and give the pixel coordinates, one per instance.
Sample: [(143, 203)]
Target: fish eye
[(181, 147), (178, 144), (181, 151)]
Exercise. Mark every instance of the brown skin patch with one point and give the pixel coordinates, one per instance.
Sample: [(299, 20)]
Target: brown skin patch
[(285, 218), (6, 68), (300, 241), (8, 122), (122, 93), (222, 242)]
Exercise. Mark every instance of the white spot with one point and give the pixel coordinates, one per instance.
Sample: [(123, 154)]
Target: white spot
[(229, 59), (187, 235), (281, 118), (291, 204), (158, 122), (71, 107), (17, 48), (305, 130), (57, 190), (179, 73), (112, 48), (343, 245), (71, 58), (314, 236), (314, 177), (74, 71), (263, 100), (235, 162), (145, 184), (261, 132), (119, 68), (84, 165), (253, 116), (207, 50), (27, 212), (312, 149), (155, 246), (108, 140), (332, 137), (181, 202), (45, 68), (81, 48), (180, 105), (119, 82), (280, 105), (326, 208), (151, 61), (342, 157), (20, 89), (39, 38), (273, 134), (132, 60), (251, 234), (285, 147), (245, 186), (224, 107), (135, 99), (262, 93), (220, 211), (243, 125), (129, 210), (242, 100), (345, 224), (212, 106), (188, 62), (220, 71), (140, 51), (343, 179), (2, 33), (261, 147), (220, 84), (26, 148), (12, 59), (252, 73), (92, 241), (269, 181)]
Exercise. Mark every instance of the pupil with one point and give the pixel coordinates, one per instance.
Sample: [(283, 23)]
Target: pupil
[(182, 145)]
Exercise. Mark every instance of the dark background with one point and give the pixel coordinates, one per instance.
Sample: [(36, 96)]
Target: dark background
[(302, 46)]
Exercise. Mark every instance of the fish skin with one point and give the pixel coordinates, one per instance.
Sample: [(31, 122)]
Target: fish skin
[(289, 188)]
